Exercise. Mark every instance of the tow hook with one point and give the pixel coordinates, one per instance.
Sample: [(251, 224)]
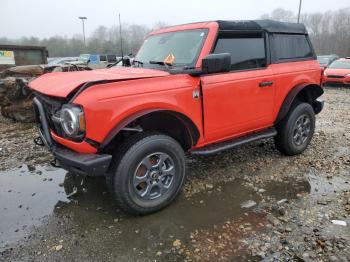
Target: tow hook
[(55, 163), (38, 140)]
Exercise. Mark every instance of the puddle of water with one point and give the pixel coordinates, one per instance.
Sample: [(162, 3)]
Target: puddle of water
[(322, 186), (143, 233), (146, 234), (287, 189), (93, 212), (26, 197), (317, 186)]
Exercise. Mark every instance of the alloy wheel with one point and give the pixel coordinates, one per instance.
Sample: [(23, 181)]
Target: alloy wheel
[(154, 176)]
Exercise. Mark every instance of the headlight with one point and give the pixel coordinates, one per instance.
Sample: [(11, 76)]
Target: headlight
[(72, 121), (348, 75), (325, 73)]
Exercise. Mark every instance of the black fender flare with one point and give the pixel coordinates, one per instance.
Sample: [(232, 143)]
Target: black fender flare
[(311, 91), (191, 128)]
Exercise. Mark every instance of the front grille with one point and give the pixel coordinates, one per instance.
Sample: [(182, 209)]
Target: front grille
[(335, 76), (51, 107), (336, 84)]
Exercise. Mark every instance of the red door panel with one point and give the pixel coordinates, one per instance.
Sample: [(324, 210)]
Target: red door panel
[(234, 103)]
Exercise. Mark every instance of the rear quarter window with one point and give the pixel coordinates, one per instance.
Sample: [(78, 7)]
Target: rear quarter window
[(291, 47)]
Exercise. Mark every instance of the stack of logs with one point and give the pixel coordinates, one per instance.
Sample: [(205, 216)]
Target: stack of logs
[(16, 99)]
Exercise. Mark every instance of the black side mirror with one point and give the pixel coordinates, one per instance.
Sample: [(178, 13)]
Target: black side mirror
[(216, 63)]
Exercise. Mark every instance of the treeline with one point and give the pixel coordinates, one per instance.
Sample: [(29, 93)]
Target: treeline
[(329, 31), (101, 41)]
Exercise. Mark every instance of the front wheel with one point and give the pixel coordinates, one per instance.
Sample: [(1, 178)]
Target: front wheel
[(147, 173), (296, 130)]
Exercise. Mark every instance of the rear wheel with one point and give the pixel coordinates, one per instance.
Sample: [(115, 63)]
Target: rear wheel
[(296, 130), (148, 173)]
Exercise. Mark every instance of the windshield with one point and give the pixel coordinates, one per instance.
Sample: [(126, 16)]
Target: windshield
[(182, 47), (84, 57), (340, 64), (323, 60)]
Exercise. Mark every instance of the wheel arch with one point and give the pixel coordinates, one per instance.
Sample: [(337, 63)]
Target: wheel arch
[(172, 123), (306, 93)]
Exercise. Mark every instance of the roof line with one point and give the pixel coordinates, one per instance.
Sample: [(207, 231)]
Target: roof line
[(267, 25)]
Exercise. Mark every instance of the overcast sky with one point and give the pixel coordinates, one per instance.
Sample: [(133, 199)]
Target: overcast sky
[(44, 18)]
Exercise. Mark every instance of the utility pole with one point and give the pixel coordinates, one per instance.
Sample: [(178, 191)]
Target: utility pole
[(300, 2), (83, 18), (121, 36)]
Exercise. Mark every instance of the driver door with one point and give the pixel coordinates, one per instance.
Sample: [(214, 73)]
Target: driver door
[(239, 101)]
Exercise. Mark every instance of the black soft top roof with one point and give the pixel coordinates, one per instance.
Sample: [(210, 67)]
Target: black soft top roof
[(266, 25)]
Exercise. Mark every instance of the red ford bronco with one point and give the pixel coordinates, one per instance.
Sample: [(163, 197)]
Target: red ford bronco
[(199, 88)]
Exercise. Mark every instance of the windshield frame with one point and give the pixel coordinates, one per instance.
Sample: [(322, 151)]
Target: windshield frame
[(182, 65)]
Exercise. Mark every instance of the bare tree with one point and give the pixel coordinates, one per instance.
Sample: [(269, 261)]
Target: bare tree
[(282, 15), (328, 31), (101, 41)]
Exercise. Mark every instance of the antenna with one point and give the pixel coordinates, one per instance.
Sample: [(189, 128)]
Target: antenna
[(300, 3), (121, 39)]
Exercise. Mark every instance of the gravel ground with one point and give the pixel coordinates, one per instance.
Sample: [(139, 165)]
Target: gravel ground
[(248, 204), (17, 146)]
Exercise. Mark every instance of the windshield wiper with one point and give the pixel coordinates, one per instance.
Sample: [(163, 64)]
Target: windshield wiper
[(137, 62), (160, 63), (114, 64), (157, 63)]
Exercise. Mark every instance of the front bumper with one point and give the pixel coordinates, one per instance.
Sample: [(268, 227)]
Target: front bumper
[(83, 164), (336, 81)]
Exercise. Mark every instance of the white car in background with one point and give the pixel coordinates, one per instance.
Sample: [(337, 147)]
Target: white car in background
[(61, 60)]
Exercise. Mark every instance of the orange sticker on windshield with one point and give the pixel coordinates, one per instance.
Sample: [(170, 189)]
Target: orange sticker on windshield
[(169, 60)]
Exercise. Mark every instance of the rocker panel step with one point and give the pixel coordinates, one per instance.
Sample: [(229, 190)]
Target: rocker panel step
[(222, 146)]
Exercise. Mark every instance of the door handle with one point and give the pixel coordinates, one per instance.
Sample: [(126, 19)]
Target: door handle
[(265, 84)]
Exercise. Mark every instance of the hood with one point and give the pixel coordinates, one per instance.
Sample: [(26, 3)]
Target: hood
[(61, 84), (337, 72)]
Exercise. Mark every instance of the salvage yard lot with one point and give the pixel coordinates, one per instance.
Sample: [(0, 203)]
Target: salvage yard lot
[(291, 202)]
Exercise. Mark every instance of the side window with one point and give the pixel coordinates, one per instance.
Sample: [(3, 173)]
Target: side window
[(291, 47), (111, 58), (103, 58), (247, 50)]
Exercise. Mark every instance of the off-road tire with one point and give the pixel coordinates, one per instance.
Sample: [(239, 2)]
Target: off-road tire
[(284, 140), (126, 160)]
